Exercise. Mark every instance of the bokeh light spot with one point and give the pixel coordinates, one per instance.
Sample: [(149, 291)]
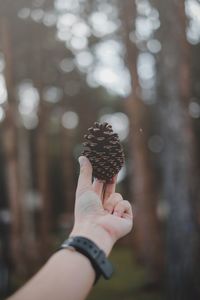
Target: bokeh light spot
[(70, 120), (194, 110), (156, 143), (119, 122), (53, 94), (3, 90), (2, 114)]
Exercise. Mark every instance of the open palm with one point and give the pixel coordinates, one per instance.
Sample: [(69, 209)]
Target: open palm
[(99, 208)]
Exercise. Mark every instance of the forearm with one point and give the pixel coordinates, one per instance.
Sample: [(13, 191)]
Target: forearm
[(68, 275)]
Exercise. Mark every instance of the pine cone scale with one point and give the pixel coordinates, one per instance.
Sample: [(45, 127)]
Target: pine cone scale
[(103, 149)]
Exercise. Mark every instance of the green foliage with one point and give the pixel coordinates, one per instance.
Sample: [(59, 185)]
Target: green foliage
[(128, 282)]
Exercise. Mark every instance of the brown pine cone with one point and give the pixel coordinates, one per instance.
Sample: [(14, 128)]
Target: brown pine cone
[(103, 149)]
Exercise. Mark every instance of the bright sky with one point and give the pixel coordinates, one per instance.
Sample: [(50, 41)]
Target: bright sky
[(103, 63)]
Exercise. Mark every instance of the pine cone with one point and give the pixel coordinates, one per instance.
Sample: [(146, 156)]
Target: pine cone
[(103, 149)]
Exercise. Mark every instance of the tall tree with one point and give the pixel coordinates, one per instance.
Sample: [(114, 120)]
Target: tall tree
[(147, 228), (39, 73), (10, 148), (68, 167), (179, 173)]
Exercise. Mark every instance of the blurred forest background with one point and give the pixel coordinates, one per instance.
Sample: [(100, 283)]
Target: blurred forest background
[(136, 64)]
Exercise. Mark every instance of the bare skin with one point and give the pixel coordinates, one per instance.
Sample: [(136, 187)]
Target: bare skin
[(101, 215)]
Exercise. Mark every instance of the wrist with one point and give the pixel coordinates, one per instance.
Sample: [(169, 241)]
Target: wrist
[(96, 234)]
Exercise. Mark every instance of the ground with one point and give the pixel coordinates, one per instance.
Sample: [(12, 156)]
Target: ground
[(128, 281)]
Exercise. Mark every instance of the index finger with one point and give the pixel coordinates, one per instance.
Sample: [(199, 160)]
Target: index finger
[(85, 176), (110, 188)]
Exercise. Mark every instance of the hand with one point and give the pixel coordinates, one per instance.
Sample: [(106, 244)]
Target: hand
[(100, 214)]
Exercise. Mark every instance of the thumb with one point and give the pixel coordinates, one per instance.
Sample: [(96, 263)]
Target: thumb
[(85, 176)]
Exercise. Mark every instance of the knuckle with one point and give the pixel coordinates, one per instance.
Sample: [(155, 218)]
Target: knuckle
[(127, 203), (118, 207), (117, 196)]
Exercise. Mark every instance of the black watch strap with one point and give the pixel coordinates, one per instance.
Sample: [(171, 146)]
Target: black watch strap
[(97, 257)]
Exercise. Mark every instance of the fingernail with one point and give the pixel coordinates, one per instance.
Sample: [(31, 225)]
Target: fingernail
[(82, 160)]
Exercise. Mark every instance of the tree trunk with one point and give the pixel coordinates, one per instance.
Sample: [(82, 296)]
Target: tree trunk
[(178, 157), (67, 166), (12, 179), (38, 72), (25, 178), (68, 175), (147, 228), (11, 153), (43, 183)]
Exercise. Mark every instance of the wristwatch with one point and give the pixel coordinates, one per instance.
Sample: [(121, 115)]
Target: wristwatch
[(97, 257)]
